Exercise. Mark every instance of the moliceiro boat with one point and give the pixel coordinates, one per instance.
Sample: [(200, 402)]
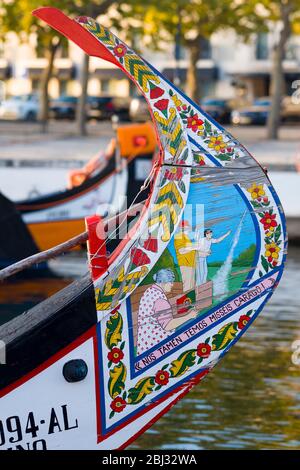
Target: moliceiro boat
[(95, 365), (104, 185)]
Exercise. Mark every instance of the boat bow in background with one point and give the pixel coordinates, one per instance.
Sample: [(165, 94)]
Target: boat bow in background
[(107, 184)]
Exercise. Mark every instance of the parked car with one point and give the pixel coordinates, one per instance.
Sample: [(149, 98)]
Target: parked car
[(138, 109), (97, 107), (257, 113), (217, 108), (63, 107), (290, 109), (20, 107), (104, 107)]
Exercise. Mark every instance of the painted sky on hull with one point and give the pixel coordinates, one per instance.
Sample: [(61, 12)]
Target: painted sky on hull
[(226, 203)]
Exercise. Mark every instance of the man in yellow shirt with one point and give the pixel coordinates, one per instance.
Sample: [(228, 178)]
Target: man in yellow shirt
[(192, 257), (186, 256)]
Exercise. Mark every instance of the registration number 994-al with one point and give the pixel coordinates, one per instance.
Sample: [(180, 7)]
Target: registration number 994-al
[(19, 434)]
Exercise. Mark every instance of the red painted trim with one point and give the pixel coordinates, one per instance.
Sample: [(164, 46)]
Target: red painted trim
[(75, 32), (96, 246), (97, 388), (88, 334)]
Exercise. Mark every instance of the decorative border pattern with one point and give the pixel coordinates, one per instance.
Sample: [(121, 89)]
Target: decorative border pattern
[(272, 228), (177, 368)]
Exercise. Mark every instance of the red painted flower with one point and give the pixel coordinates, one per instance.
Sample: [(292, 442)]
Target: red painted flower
[(174, 174), (194, 122), (82, 19), (162, 377), (151, 244), (268, 221), (120, 50), (243, 320), (115, 355), (138, 257), (203, 350), (162, 105), (155, 91), (118, 404)]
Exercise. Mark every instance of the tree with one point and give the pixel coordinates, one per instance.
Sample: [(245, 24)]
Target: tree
[(94, 8), (287, 13), (16, 16), (114, 11), (198, 19)]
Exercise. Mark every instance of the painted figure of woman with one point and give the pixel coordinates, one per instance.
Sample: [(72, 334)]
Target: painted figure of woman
[(155, 318)]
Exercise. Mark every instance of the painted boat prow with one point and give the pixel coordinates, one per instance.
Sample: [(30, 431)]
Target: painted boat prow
[(177, 293)]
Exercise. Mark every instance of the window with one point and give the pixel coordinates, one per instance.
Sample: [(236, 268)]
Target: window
[(63, 84), (262, 49), (63, 51), (206, 52), (104, 85), (35, 84)]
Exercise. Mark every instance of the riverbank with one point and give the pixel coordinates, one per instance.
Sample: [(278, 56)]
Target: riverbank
[(23, 143)]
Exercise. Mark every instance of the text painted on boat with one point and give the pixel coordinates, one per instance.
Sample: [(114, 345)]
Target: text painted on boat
[(18, 433)]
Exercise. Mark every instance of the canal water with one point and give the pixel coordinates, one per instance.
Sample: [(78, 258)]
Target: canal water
[(251, 400)]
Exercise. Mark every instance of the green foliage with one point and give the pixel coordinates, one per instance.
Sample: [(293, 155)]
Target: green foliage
[(16, 15), (246, 257), (158, 19)]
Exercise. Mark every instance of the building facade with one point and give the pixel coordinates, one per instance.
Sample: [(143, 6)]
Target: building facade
[(228, 68)]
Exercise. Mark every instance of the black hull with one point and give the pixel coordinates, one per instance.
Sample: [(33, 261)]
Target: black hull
[(36, 335)]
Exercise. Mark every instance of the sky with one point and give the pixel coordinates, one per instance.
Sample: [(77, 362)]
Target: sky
[(217, 202)]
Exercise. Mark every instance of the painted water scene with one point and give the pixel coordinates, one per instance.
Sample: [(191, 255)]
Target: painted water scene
[(148, 181)]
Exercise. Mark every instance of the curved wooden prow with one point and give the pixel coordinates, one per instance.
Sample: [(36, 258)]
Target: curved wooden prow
[(72, 30)]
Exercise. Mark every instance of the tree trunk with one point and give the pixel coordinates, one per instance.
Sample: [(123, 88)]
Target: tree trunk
[(81, 108), (277, 78), (193, 85), (46, 76)]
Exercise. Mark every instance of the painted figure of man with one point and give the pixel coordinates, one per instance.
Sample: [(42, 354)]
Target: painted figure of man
[(203, 247), (186, 255)]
